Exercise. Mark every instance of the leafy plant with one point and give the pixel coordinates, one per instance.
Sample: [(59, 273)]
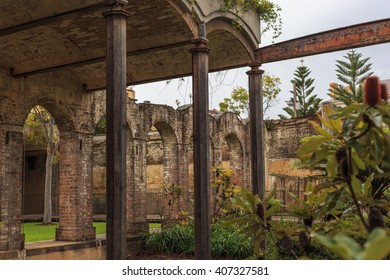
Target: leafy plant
[(224, 190), (357, 139), (377, 246), (254, 221)]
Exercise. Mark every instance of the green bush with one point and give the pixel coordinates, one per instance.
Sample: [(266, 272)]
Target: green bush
[(225, 241)]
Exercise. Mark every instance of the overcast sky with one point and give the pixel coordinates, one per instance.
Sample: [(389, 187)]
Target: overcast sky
[(300, 17)]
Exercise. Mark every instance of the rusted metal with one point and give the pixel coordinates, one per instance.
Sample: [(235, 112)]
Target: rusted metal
[(256, 131), (200, 71), (116, 134), (355, 36)]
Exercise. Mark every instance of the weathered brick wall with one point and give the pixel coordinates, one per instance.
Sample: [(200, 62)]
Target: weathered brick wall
[(283, 139)]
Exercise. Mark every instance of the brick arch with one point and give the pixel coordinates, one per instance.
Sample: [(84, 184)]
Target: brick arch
[(62, 116), (235, 156), (243, 38)]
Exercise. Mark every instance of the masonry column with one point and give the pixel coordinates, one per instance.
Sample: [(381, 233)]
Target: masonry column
[(256, 131), (116, 135), (201, 149), (11, 180), (136, 196), (75, 187)]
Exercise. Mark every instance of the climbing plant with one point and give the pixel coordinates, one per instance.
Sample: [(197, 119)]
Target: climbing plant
[(269, 13)]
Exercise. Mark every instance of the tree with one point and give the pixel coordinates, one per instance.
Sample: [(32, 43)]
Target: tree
[(238, 102), (352, 72), (40, 129), (307, 103)]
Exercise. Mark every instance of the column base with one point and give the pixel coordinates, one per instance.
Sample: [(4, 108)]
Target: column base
[(75, 234), (11, 243)]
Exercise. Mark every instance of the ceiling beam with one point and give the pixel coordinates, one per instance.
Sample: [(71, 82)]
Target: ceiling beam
[(355, 36), (99, 59), (50, 19)]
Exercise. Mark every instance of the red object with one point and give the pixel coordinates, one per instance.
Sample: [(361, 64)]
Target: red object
[(372, 91)]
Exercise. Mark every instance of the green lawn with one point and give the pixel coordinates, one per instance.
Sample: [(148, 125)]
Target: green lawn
[(34, 231)]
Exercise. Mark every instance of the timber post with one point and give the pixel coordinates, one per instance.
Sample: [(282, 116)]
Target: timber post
[(256, 131), (116, 17), (200, 65)]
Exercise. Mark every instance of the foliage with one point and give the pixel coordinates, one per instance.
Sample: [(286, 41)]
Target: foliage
[(254, 221), (225, 241), (100, 128), (357, 141), (307, 103), (224, 190), (351, 72), (238, 102), (171, 195), (377, 246), (269, 13)]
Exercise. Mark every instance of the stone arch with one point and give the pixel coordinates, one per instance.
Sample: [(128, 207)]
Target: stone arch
[(233, 157), (35, 156)]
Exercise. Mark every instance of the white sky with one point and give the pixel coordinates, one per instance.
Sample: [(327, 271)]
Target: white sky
[(300, 17)]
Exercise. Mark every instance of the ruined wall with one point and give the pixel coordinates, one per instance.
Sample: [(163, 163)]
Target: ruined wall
[(282, 143)]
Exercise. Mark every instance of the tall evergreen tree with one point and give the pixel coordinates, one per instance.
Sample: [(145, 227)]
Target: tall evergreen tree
[(307, 103), (352, 72)]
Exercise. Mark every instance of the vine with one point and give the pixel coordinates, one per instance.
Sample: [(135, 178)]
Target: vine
[(269, 13)]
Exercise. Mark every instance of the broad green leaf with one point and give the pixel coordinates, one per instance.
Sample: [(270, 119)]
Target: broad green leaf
[(377, 246), (345, 246), (375, 116), (318, 128), (333, 124), (356, 185), (368, 185), (332, 166), (359, 163), (275, 208), (333, 198), (378, 146), (306, 150)]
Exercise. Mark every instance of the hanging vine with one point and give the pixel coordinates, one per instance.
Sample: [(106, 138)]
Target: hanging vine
[(269, 13)]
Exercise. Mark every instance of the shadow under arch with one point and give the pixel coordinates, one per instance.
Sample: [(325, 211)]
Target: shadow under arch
[(233, 157)]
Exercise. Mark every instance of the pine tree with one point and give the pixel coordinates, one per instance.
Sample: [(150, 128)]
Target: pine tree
[(307, 103), (352, 74)]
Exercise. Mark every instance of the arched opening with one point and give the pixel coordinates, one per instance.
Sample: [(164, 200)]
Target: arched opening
[(162, 173), (232, 158), (40, 175)]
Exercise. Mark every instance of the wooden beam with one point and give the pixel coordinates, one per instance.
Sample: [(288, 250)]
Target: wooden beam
[(355, 36), (200, 71), (116, 133), (48, 20), (99, 59)]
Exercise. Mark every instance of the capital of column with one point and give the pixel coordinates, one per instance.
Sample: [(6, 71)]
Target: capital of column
[(255, 70), (200, 45), (116, 7)]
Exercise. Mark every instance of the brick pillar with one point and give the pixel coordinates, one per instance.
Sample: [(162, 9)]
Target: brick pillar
[(75, 187), (136, 187), (257, 136), (183, 178), (11, 181)]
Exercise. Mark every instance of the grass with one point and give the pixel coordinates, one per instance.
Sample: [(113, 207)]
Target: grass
[(35, 231)]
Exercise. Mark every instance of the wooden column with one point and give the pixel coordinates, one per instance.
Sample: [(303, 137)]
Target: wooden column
[(201, 149), (116, 134), (256, 131)]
